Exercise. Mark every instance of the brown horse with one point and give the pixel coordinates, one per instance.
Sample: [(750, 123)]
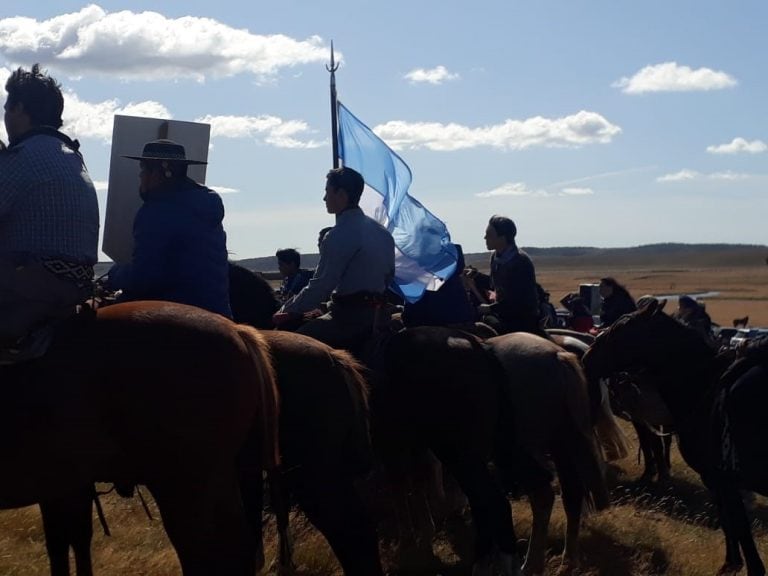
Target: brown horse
[(324, 444), (549, 408), (719, 415), (150, 392)]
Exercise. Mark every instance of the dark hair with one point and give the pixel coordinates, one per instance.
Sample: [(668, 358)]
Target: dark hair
[(618, 289), (687, 302), (504, 227), (38, 93), (322, 233), (289, 256), (348, 179)]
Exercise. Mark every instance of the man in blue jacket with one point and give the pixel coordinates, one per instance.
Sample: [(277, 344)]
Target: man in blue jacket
[(180, 247)]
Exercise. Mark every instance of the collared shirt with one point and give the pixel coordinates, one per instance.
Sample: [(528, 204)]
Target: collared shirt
[(357, 255), (48, 206)]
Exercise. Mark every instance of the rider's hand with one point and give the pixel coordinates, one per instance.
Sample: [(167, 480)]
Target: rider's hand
[(280, 318)]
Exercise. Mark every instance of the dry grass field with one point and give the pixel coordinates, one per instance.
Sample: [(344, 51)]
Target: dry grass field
[(742, 291), (651, 530)]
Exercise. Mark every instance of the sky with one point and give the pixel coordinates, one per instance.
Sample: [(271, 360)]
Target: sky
[(589, 123)]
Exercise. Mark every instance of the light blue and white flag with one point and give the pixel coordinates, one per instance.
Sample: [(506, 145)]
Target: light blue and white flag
[(424, 254)]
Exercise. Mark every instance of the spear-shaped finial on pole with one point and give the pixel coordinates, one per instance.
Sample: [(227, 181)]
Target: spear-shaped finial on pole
[(334, 108)]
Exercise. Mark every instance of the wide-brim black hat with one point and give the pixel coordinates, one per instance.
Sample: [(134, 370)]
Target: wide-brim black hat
[(167, 150)]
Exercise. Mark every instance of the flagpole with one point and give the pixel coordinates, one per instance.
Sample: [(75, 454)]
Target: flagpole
[(334, 109)]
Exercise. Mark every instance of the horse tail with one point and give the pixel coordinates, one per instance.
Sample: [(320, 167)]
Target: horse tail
[(266, 393), (583, 454), (358, 442), (616, 444)]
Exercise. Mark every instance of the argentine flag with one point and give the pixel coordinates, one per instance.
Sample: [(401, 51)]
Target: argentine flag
[(424, 254)]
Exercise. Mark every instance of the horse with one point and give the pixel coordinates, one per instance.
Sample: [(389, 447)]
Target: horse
[(152, 392), (654, 447), (552, 420), (517, 399), (252, 299), (325, 445), (718, 414)]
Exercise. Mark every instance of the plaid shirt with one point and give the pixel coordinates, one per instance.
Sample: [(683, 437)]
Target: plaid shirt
[(48, 206)]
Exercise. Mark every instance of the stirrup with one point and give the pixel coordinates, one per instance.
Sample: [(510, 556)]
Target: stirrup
[(30, 347)]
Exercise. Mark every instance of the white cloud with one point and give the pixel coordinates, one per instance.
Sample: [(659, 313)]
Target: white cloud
[(436, 75), (224, 189), (571, 131), (270, 129), (728, 175), (101, 185), (577, 191), (689, 175), (679, 176), (150, 46), (738, 145), (671, 77), (95, 119), (511, 189)]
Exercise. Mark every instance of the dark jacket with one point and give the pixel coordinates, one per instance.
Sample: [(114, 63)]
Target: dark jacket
[(180, 250), (514, 280), (614, 307), (447, 306)]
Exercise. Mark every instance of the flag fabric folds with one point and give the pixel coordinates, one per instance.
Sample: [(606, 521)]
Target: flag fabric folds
[(425, 256)]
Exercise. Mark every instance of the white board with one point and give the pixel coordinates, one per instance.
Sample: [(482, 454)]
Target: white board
[(129, 135)]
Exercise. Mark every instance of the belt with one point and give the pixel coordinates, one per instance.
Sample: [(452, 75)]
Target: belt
[(361, 299)]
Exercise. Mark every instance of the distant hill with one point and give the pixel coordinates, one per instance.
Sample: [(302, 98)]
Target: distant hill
[(666, 255)]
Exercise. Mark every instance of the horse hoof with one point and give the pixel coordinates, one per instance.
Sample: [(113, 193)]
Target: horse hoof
[(483, 567), (508, 564), (730, 569)]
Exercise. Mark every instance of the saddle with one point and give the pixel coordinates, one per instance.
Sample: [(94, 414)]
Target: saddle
[(36, 343)]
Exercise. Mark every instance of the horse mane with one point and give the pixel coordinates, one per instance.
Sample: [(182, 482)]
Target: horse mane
[(251, 297), (267, 392)]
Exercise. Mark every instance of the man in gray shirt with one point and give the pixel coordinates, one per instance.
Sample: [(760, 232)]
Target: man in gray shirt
[(357, 265)]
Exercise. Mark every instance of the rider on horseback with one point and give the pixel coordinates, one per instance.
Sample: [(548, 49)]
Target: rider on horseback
[(49, 215), (180, 247), (357, 264)]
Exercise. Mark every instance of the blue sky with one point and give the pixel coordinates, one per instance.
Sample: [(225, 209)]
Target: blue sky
[(588, 122)]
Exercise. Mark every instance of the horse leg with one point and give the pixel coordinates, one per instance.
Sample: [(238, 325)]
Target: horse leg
[(67, 522), (541, 498), (489, 506), (279, 497), (573, 495), (665, 464), (742, 528), (646, 440), (250, 480), (206, 523), (733, 561), (332, 504)]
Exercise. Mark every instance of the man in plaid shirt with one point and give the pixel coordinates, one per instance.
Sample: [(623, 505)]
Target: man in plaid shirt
[(49, 215)]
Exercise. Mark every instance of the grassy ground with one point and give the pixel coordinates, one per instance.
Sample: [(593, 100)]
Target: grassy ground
[(658, 529)]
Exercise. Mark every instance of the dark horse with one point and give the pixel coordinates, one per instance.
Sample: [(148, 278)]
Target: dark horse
[(150, 392), (719, 416), (325, 445)]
